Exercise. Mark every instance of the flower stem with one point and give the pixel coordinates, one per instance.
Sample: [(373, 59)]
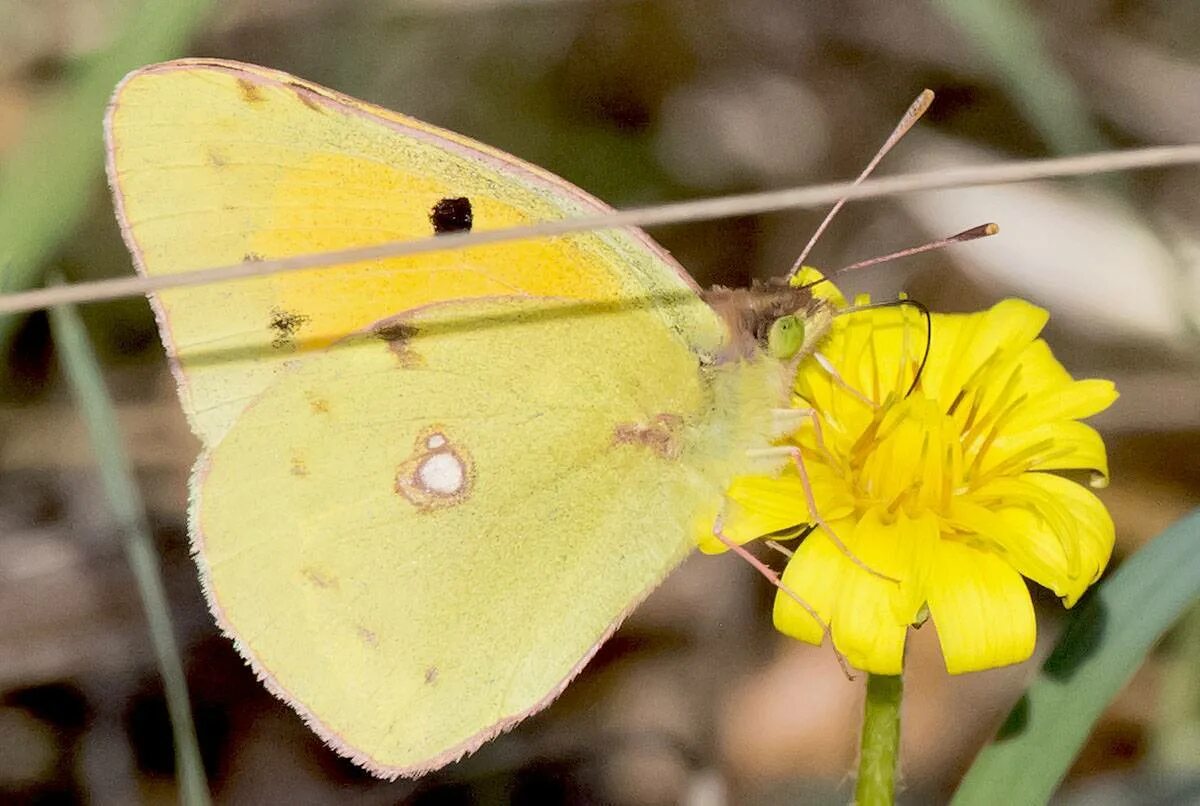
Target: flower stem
[(880, 746)]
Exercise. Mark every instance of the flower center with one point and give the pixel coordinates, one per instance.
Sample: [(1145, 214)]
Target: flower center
[(907, 455), (914, 454)]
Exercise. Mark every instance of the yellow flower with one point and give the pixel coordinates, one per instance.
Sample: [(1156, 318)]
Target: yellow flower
[(943, 489)]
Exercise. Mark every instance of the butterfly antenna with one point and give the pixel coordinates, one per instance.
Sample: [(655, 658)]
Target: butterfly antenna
[(974, 233), (900, 303), (915, 110)]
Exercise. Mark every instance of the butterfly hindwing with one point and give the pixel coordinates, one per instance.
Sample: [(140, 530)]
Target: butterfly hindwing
[(419, 536)]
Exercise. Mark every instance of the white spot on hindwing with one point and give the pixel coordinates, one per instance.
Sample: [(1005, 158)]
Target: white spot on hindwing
[(442, 473), (437, 474)]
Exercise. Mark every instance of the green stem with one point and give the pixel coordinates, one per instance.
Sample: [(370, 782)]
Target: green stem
[(116, 475), (880, 748)]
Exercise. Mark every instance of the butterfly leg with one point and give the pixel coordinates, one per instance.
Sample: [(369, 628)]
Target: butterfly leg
[(782, 415), (836, 377), (800, 535), (797, 458), (774, 579)]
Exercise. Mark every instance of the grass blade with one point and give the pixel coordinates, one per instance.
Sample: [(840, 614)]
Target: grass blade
[(1010, 38), (1103, 645), (47, 182), (116, 474)]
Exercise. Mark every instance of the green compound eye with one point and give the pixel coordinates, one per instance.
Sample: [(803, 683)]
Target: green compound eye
[(786, 337)]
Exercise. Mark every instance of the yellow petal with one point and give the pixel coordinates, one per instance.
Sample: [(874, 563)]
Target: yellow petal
[(961, 346), (821, 288), (759, 505), (865, 628), (859, 606), (902, 549), (981, 608), (1025, 541), (1091, 530), (1065, 513), (813, 573), (1062, 445), (878, 350), (1075, 401), (1040, 370), (1050, 393)]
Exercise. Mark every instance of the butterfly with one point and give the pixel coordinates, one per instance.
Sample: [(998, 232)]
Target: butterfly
[(429, 487)]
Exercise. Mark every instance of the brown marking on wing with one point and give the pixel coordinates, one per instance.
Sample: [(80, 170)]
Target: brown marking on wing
[(306, 96), (320, 579), (299, 467), (399, 337), (251, 92), (368, 637), (661, 435), (431, 675), (319, 405), (418, 476)]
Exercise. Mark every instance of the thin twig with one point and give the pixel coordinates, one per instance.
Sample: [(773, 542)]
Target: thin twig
[(682, 212)]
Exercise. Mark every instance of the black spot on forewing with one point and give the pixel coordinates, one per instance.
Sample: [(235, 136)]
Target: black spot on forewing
[(252, 257), (451, 215), (285, 325)]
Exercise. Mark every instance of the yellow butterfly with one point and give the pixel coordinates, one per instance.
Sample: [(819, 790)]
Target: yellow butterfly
[(430, 487)]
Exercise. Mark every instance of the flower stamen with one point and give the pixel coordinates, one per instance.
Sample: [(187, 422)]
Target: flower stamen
[(1017, 463)]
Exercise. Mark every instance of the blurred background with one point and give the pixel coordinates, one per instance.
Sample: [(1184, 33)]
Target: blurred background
[(696, 700)]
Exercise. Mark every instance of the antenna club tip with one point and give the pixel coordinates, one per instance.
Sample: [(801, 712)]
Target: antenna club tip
[(991, 229)]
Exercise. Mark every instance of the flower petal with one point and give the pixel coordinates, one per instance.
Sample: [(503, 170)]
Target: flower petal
[(981, 608), (821, 287), (813, 573), (1063, 445), (964, 343), (860, 607), (1091, 535), (759, 505), (1051, 394), (865, 627), (1063, 512), (1023, 539), (879, 350), (904, 550)]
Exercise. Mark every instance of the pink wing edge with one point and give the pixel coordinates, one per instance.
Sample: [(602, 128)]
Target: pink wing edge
[(345, 105)]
